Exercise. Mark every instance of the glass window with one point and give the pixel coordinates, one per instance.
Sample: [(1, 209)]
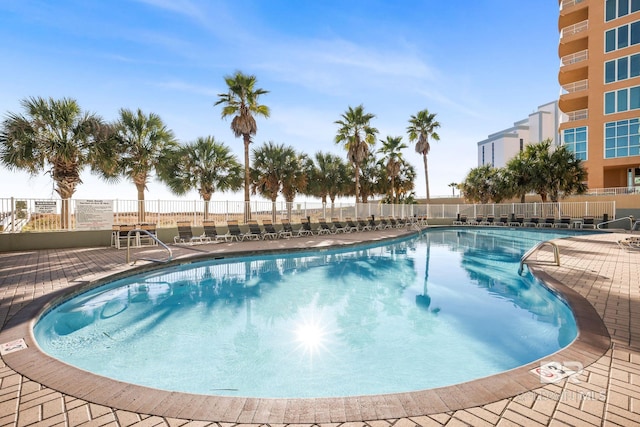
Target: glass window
[(576, 141), (623, 7), (609, 102), (635, 33), (634, 98), (610, 41), (623, 37), (624, 142), (623, 68), (610, 10), (623, 101), (634, 69), (610, 71), (635, 5)]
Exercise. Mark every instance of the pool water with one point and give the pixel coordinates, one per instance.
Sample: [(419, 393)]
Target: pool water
[(442, 308)]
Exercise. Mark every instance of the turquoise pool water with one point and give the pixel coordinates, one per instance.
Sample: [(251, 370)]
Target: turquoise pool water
[(442, 308)]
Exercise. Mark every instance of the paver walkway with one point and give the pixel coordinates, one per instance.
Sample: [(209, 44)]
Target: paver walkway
[(608, 391)]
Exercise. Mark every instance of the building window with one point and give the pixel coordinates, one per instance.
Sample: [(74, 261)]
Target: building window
[(622, 100), (576, 141), (493, 154), (483, 155), (623, 36), (622, 138), (618, 8)]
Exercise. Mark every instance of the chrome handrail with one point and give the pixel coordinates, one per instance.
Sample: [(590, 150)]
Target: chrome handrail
[(632, 225), (556, 254), (139, 230)]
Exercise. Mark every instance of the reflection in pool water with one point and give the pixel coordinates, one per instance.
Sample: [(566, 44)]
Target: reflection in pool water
[(438, 309)]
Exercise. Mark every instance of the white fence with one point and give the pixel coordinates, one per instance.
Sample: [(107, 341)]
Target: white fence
[(28, 215)]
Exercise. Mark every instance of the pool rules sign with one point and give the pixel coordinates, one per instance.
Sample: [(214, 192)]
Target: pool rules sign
[(94, 214)]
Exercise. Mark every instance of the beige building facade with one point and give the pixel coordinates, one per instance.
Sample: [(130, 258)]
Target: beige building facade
[(599, 52)]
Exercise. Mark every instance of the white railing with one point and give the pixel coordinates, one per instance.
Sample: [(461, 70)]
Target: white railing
[(575, 28), (45, 215), (576, 86), (583, 55), (568, 3), (613, 191), (578, 115)]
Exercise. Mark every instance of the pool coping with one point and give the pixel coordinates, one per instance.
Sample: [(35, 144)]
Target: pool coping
[(592, 342)]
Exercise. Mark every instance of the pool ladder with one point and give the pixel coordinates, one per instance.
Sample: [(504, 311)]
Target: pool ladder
[(556, 254), (152, 236)]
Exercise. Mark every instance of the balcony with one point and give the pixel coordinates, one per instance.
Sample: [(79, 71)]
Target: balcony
[(577, 115), (574, 58), (574, 29), (568, 3), (578, 86)]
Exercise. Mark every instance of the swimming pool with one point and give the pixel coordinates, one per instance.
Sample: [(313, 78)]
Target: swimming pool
[(438, 309)]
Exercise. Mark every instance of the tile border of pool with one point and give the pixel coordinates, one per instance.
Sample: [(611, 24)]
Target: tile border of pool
[(593, 342)]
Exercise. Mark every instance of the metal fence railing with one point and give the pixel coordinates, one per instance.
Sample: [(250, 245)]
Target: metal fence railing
[(34, 215)]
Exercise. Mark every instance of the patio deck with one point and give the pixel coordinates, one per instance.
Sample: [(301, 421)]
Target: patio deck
[(594, 267)]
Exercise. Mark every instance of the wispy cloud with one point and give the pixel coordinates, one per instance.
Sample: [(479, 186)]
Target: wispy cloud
[(182, 86)]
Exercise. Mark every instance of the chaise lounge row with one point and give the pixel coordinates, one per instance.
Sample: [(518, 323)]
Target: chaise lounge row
[(533, 221), (286, 230)]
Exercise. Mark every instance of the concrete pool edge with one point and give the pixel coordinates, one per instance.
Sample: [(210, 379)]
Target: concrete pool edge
[(590, 345)]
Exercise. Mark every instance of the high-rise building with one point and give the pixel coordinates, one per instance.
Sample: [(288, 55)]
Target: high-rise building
[(599, 74), (500, 147)]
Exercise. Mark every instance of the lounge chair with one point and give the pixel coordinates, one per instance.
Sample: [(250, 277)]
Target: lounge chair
[(565, 222), (477, 221), (394, 223), (630, 243), (324, 227), (462, 220), (305, 228), (373, 224), (384, 224), (185, 234), (488, 220), (255, 232), (269, 230), (287, 230), (211, 232), (351, 225), (339, 227), (519, 221), (504, 220), (549, 221), (363, 225), (234, 231), (588, 222), (533, 221)]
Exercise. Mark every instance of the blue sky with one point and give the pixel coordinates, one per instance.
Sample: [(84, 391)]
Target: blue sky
[(479, 65)]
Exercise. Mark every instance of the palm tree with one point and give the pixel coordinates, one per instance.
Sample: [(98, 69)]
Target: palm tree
[(203, 165), (242, 102), (453, 186), (373, 179), (423, 126), (329, 178), (140, 140), (276, 168), (392, 150), (356, 134), (58, 138)]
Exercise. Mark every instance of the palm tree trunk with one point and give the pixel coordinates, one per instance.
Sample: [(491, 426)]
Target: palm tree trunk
[(356, 167), (141, 210), (426, 174), (247, 178)]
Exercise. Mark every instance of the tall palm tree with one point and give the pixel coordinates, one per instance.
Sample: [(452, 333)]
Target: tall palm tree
[(277, 168), (329, 178), (453, 186), (373, 179), (140, 140), (58, 138), (392, 150), (356, 134), (203, 165), (242, 102), (423, 126)]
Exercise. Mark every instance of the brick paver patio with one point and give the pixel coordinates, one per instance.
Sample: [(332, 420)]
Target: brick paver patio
[(607, 394)]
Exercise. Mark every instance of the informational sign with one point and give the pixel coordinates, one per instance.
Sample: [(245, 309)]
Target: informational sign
[(45, 206), (94, 214)]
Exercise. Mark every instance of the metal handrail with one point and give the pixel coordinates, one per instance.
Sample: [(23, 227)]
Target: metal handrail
[(556, 254), (630, 218), (139, 230)]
